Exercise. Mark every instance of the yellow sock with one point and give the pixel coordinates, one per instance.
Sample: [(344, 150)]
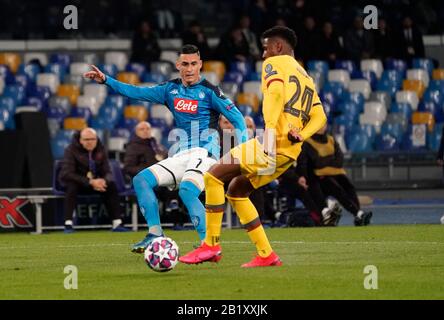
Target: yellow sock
[(249, 218), (214, 208)]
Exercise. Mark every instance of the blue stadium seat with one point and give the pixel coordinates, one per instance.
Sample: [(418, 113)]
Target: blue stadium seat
[(240, 66), (393, 76), (30, 69), (437, 85), (58, 69), (434, 138), (101, 123), (359, 142), (328, 109), (355, 97), (402, 107), (387, 142), (110, 113), (23, 80), (81, 112), (394, 129), (336, 88), (116, 100), (16, 92), (119, 179), (56, 113), (421, 63), (350, 109), (61, 58), (348, 65), (153, 77), (234, 76), (396, 64), (386, 85), (144, 103), (109, 69), (318, 65), (330, 98), (6, 74), (246, 110), (58, 146), (254, 76), (7, 118), (407, 142), (8, 103), (129, 123), (44, 93), (259, 120), (433, 95), (137, 68), (121, 133), (36, 102)]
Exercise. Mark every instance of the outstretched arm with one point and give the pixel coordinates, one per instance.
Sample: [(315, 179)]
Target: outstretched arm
[(154, 94)]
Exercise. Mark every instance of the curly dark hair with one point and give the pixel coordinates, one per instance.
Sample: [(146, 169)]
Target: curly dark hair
[(284, 33)]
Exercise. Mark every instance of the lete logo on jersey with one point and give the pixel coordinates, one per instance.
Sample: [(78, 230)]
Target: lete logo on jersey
[(185, 105)]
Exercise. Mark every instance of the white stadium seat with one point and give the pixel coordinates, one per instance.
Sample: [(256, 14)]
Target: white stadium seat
[(175, 75), (164, 68), (120, 59), (168, 55), (157, 134), (90, 102), (117, 144), (339, 75), (79, 68), (383, 97), (368, 119), (96, 90), (419, 74), (2, 85), (211, 77), (375, 110), (159, 111), (409, 97), (318, 79), (253, 87), (360, 85), (374, 65), (49, 80)]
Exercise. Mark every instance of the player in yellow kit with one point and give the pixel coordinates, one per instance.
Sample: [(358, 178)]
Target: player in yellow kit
[(292, 113)]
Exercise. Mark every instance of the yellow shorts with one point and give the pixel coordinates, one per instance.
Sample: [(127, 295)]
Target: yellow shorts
[(257, 166)]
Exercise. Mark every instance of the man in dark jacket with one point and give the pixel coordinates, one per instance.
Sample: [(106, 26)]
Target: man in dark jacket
[(142, 151), (85, 170), (321, 163)]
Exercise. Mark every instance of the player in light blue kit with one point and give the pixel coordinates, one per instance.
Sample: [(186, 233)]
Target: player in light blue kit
[(196, 105)]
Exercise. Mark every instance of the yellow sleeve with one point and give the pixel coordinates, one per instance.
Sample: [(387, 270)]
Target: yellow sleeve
[(274, 94), (317, 119)]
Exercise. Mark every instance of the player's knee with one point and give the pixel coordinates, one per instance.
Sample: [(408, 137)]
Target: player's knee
[(210, 180), (144, 177), (188, 189), (240, 187)]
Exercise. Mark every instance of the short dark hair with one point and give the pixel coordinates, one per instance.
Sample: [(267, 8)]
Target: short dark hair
[(282, 32), (189, 49)]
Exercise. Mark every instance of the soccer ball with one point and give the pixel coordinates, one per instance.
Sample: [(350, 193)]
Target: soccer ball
[(162, 254)]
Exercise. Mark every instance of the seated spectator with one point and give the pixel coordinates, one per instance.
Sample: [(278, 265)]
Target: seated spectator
[(144, 46), (321, 164), (195, 35), (142, 152), (330, 48), (411, 44), (358, 42), (233, 47), (86, 170), (250, 37)]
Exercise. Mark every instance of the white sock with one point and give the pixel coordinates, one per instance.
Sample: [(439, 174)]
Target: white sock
[(325, 212), (116, 223), (156, 230), (68, 222), (360, 214)]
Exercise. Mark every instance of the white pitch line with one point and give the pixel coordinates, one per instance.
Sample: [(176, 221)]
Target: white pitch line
[(234, 242)]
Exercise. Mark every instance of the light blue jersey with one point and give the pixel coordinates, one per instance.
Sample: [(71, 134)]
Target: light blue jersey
[(196, 109)]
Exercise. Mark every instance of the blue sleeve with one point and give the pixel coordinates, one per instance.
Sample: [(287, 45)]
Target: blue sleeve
[(154, 94), (225, 106)]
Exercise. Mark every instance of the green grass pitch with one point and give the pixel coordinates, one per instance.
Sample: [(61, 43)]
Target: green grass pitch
[(319, 263)]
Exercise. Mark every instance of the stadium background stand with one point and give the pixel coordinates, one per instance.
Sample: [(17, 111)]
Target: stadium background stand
[(392, 108)]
